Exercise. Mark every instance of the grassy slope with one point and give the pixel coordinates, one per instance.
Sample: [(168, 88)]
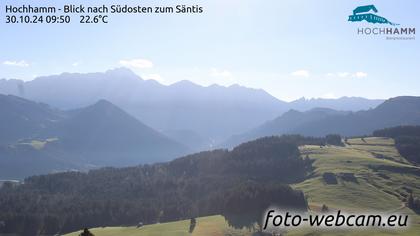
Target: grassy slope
[(381, 191), (39, 144), (206, 226), (376, 191)]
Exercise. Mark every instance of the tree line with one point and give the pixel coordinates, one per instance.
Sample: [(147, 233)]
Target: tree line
[(407, 141), (243, 180)]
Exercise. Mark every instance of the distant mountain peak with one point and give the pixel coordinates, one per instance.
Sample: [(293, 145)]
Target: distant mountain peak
[(318, 122), (101, 134), (184, 83), (215, 86), (122, 72), (103, 106), (397, 102), (103, 102), (403, 98), (235, 86), (302, 99)]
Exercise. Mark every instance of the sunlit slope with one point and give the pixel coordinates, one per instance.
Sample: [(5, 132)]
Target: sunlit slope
[(371, 177), (382, 179), (206, 226)]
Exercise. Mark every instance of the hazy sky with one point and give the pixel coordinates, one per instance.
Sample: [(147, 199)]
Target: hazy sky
[(290, 48)]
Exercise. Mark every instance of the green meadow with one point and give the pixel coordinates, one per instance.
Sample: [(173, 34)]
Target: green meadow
[(382, 182), (371, 177), (209, 226)]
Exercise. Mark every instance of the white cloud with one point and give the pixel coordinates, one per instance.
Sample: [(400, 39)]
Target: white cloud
[(300, 73), (21, 63), (343, 74), (75, 64), (225, 74), (347, 75), (360, 74), (137, 63)]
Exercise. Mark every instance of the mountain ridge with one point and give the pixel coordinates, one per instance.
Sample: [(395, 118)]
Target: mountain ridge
[(213, 112), (404, 110), (98, 135)]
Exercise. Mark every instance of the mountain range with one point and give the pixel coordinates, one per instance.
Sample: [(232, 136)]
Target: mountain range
[(83, 121), (36, 138), (181, 110), (340, 104), (317, 122)]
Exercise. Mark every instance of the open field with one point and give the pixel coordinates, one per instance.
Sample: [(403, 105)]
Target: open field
[(206, 226), (371, 177), (381, 183), (39, 144)]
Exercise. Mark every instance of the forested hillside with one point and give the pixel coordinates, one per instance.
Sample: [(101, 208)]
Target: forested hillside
[(407, 140), (196, 185)]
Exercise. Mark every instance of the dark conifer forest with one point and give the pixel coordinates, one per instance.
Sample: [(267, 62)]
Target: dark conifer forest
[(206, 183)]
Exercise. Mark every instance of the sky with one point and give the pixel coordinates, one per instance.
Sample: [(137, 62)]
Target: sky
[(290, 48)]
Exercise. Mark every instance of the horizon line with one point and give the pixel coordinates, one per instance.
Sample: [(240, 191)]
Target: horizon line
[(288, 100)]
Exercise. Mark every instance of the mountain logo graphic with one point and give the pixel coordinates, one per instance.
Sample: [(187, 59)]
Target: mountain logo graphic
[(365, 13)]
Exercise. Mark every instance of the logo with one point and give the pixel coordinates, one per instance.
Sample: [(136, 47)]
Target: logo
[(369, 14), (363, 13)]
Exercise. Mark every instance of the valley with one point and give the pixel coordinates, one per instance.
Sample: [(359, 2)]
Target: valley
[(209, 118), (219, 154), (212, 113)]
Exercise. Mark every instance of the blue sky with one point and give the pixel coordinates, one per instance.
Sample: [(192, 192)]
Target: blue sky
[(290, 48)]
